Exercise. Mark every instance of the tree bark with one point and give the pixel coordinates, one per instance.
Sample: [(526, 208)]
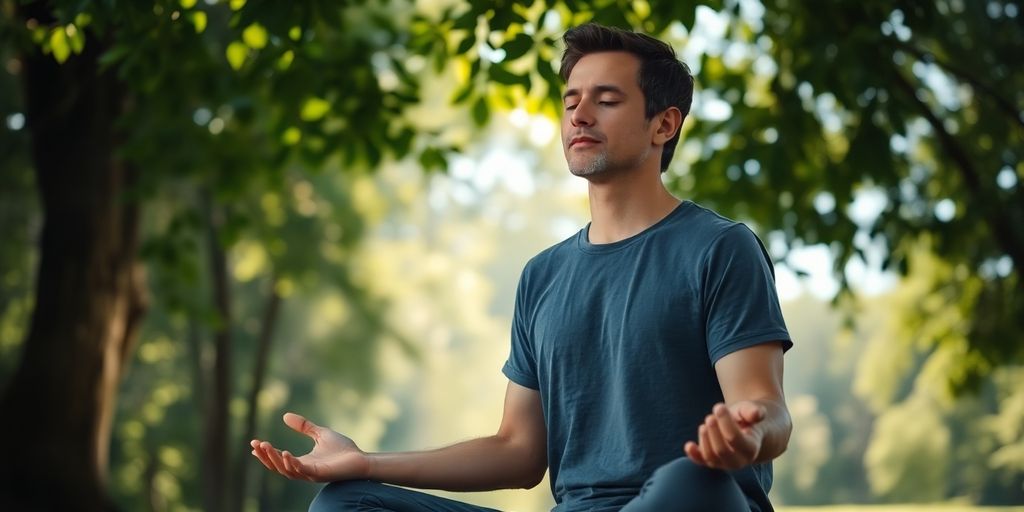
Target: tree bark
[(216, 479), (90, 296), (244, 461)]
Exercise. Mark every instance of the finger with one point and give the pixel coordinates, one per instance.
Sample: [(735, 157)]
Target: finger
[(300, 424), (723, 452), (727, 426), (750, 413), (693, 452), (275, 458), (289, 466), (261, 454), (286, 464), (705, 447), (297, 466)]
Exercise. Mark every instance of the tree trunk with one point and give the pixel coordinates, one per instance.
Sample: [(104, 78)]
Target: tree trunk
[(59, 405), (244, 461), (216, 479)]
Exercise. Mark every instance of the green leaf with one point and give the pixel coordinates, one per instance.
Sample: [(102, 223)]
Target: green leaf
[(548, 73), (504, 17), (463, 93), (76, 38), (236, 54), (286, 59), (291, 136), (466, 44), (467, 21), (114, 55), (686, 14), (187, 4), (518, 46), (480, 112), (499, 74), (403, 143), (432, 159), (59, 44), (255, 36), (198, 21), (314, 109)]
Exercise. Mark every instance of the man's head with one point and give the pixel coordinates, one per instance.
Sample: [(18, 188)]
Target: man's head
[(664, 83)]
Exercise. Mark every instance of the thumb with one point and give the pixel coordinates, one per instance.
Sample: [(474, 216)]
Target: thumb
[(300, 424), (750, 412)]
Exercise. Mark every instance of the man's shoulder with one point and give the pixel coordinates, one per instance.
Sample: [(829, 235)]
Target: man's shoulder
[(708, 222), (553, 253), (546, 264), (700, 228)]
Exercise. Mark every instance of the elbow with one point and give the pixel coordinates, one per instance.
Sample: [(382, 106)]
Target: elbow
[(531, 471), (527, 461), (786, 431), (533, 478)]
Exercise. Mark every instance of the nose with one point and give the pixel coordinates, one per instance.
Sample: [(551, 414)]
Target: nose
[(581, 115)]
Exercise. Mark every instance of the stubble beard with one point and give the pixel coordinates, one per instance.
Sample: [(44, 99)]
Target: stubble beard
[(600, 165), (593, 167)]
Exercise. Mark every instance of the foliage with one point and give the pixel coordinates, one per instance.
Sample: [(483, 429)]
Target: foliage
[(889, 130), (231, 111), (827, 107), (902, 435)]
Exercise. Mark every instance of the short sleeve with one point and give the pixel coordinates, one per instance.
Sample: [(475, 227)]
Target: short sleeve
[(741, 305), (521, 366)]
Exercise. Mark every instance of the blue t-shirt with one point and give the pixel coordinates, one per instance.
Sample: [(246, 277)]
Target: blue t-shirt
[(621, 339)]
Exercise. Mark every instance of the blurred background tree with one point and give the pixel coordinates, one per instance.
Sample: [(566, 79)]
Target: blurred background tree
[(198, 176)]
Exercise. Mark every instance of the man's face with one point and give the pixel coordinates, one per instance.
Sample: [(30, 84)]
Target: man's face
[(603, 125)]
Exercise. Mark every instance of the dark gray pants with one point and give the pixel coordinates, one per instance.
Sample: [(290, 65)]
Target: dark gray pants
[(679, 485)]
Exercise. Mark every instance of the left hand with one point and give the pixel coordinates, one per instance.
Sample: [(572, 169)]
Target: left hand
[(730, 437)]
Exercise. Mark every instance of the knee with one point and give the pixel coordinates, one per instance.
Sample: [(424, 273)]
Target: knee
[(690, 486), (346, 496), (685, 470)]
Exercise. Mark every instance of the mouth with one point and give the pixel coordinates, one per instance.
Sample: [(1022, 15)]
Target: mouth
[(583, 142)]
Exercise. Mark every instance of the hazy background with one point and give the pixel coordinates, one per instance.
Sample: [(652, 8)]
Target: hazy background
[(324, 208)]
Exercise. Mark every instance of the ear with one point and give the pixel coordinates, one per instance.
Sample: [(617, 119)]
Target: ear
[(666, 125)]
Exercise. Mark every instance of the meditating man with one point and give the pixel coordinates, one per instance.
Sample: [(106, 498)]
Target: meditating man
[(645, 371)]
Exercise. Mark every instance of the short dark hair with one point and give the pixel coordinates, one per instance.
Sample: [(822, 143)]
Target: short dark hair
[(664, 80)]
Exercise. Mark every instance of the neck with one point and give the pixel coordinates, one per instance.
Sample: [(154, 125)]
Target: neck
[(626, 204)]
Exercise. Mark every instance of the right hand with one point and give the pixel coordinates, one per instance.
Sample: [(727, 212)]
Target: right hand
[(333, 457)]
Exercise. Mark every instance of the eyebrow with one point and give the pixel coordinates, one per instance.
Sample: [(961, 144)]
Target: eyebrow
[(597, 88)]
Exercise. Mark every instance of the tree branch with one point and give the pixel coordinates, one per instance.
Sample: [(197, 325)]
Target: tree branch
[(1004, 104), (1005, 234)]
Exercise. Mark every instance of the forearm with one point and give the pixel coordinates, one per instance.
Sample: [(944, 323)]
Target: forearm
[(776, 427), (480, 464)]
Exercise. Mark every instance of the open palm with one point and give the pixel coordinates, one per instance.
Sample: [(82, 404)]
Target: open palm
[(333, 457)]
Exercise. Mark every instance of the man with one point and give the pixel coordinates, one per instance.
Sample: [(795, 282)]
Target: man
[(656, 325)]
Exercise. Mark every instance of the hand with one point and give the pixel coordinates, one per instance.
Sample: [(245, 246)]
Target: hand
[(730, 437), (333, 457)]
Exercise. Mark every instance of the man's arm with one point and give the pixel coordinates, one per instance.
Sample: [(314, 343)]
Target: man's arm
[(753, 425), (515, 457)]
